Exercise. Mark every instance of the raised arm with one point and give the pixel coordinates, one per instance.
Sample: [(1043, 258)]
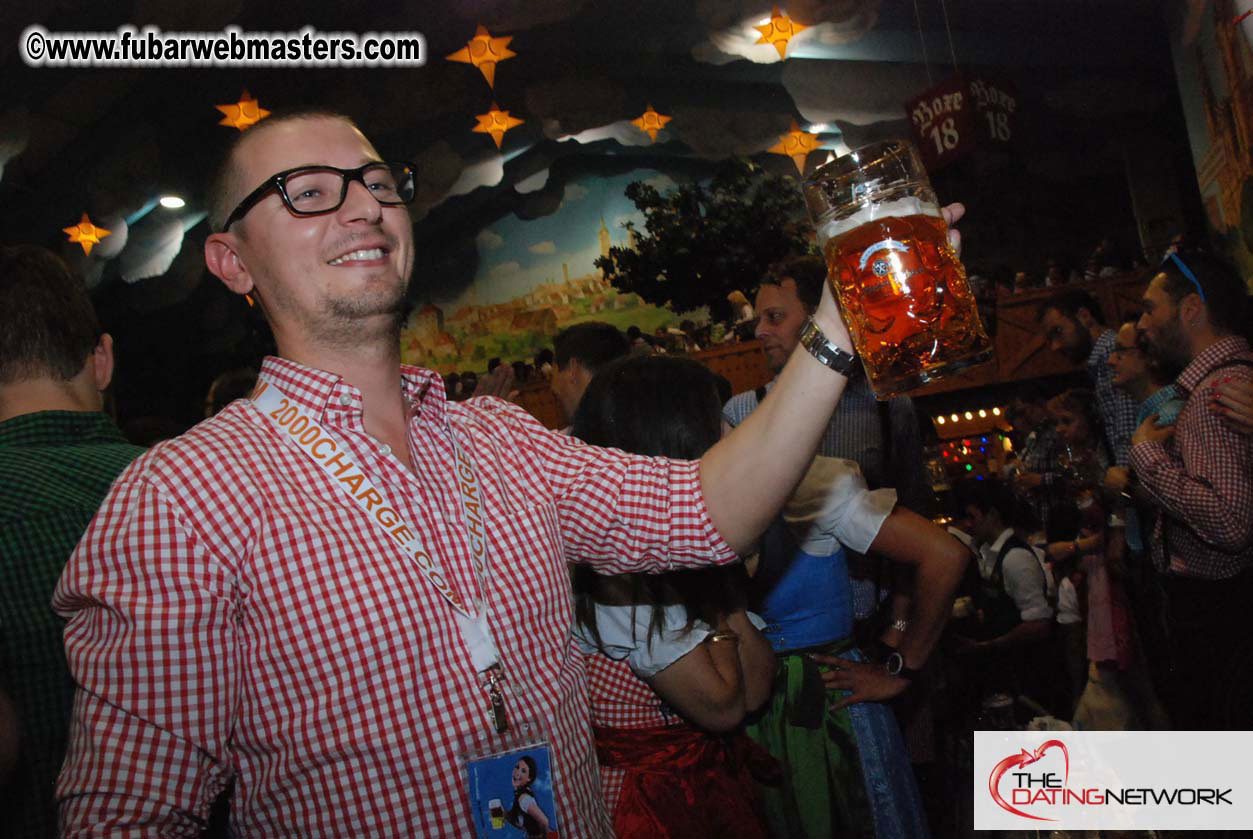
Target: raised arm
[(749, 474)]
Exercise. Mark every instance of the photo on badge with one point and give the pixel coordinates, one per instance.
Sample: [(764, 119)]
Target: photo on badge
[(511, 794)]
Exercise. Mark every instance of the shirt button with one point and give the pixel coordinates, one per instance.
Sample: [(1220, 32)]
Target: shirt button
[(345, 400), (386, 449)]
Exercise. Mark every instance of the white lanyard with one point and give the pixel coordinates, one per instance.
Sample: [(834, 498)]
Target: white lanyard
[(294, 422)]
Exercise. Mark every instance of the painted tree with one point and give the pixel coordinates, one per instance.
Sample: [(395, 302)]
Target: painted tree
[(704, 240)]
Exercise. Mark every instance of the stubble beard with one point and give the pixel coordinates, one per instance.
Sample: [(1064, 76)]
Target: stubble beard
[(342, 321), (349, 320), (1170, 350)]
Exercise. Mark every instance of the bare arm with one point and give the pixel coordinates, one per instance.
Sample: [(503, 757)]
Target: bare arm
[(939, 561), (757, 662), (713, 684), (771, 449), (536, 813)]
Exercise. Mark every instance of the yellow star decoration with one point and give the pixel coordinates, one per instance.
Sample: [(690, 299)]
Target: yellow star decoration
[(243, 114), (86, 234), (496, 122), (650, 122), (484, 51), (779, 31), (797, 145)]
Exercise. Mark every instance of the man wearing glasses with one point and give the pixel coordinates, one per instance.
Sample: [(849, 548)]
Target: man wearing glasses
[(1146, 380), (1199, 474), (332, 593)]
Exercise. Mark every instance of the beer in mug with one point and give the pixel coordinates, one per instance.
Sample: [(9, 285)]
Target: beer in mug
[(497, 811), (900, 286)]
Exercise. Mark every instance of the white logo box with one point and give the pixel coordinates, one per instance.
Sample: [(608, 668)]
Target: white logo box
[(1117, 780)]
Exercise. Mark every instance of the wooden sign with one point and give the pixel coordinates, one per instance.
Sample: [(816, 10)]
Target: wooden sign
[(943, 122)]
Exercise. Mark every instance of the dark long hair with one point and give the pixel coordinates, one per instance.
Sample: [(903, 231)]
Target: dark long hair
[(661, 406)]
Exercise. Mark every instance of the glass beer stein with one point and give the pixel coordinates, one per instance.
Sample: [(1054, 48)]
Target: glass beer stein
[(900, 285)]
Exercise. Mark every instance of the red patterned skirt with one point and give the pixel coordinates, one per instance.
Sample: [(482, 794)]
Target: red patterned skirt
[(683, 783)]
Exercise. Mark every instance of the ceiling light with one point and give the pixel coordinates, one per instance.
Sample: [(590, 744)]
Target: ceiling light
[(939, 420), (996, 412), (982, 413), (969, 415), (172, 202), (953, 417)]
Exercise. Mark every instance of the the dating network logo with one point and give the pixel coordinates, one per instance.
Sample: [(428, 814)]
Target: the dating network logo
[(1044, 783), (1094, 780)]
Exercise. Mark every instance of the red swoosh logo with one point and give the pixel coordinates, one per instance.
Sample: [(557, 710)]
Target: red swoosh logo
[(1023, 759)]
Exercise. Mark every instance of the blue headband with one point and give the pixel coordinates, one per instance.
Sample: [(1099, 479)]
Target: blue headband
[(1187, 272)]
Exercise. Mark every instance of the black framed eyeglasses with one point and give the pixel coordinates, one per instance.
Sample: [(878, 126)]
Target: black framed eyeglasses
[(1119, 349), (314, 190)]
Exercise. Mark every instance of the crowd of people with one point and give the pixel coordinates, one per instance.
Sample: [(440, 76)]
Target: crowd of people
[(331, 608), (1130, 506)]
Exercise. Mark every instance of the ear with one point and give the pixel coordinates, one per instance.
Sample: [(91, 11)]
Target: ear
[(579, 374), (102, 362), (221, 255), (1085, 318), (1192, 311)]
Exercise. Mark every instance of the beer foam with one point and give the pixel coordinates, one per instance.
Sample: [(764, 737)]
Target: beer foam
[(873, 211)]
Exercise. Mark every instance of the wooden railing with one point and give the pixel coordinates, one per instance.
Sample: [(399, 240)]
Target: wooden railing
[(1020, 350)]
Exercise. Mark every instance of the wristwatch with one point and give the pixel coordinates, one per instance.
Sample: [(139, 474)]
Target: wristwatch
[(821, 348), (895, 665)]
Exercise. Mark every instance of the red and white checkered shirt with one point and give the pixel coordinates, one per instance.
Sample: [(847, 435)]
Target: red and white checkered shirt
[(1202, 479), (621, 699), (232, 612)]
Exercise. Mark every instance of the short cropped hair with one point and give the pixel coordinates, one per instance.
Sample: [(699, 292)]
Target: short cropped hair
[(1226, 296), (48, 327), (807, 271), (1070, 302), (593, 343), (993, 495), (225, 190)]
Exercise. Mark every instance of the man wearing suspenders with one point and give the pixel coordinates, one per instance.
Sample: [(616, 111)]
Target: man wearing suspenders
[(1199, 473)]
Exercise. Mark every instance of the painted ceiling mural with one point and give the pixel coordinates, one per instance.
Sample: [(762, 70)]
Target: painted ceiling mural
[(535, 278), (517, 165)]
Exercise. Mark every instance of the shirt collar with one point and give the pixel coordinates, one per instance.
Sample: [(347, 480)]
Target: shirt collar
[(1155, 400), (1212, 356), (996, 546), (54, 428), (1101, 348), (328, 396)]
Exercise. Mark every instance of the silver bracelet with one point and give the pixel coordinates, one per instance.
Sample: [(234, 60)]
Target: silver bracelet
[(821, 348)]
